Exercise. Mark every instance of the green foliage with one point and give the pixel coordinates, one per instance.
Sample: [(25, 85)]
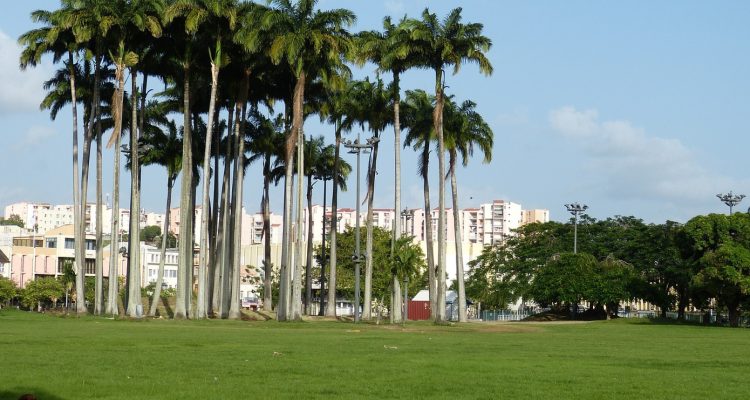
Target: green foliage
[(42, 290), (566, 278), (14, 219), (8, 290), (412, 263), (150, 233)]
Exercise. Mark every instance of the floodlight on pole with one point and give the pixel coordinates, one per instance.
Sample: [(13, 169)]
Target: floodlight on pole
[(730, 199), (357, 148), (575, 209)]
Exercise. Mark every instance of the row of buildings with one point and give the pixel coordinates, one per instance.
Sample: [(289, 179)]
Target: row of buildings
[(46, 248), (487, 224)]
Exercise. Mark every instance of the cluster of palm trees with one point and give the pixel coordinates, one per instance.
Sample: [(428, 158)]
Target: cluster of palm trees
[(238, 58)]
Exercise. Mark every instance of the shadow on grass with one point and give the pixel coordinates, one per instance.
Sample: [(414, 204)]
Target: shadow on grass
[(28, 393)]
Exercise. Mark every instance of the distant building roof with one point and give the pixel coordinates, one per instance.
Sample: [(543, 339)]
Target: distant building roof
[(3, 258)]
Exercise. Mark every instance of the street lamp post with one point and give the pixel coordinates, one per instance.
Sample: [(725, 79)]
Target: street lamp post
[(357, 147), (730, 199), (407, 215), (575, 209)]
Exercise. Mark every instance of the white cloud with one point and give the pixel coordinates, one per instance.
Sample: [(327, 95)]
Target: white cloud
[(35, 135), (20, 91), (630, 164)]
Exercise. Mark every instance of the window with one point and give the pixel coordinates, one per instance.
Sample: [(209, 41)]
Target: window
[(51, 243), (69, 243), (63, 263), (90, 244), (90, 266)]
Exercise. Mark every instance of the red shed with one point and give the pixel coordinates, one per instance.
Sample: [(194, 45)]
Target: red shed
[(419, 306)]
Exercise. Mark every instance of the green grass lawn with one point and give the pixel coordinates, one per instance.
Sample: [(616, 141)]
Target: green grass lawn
[(81, 358)]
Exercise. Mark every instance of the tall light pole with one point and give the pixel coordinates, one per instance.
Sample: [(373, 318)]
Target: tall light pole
[(575, 209), (730, 199), (357, 147), (407, 215)]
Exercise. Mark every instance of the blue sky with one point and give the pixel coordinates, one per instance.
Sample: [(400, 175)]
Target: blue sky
[(634, 108)]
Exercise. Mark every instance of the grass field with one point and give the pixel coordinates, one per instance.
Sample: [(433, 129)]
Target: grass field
[(82, 358)]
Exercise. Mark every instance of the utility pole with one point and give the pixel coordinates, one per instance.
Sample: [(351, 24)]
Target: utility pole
[(575, 209)]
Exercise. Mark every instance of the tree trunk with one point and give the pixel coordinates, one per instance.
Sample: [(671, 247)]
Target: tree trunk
[(134, 249), (99, 279), (458, 239), (428, 225), (184, 287), (163, 253), (201, 307), (297, 115), (285, 281), (734, 316), (396, 304), (234, 304), (214, 225), (321, 295), (331, 306), (309, 249), (438, 120), (371, 172), (112, 307), (267, 266), (222, 234), (80, 302), (292, 295)]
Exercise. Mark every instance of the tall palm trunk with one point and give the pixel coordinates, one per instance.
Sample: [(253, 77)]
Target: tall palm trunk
[(321, 295), (80, 303), (267, 267), (438, 121), (396, 303), (214, 226), (459, 240), (222, 226), (201, 307), (292, 287), (112, 307), (184, 286), (99, 279), (371, 172), (331, 305), (134, 249), (309, 249), (234, 303), (163, 252), (88, 136), (428, 224), (299, 242), (285, 283)]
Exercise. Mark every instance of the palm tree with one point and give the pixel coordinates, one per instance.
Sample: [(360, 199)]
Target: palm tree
[(56, 38), (302, 37), (464, 128), (417, 113), (265, 146), (392, 50), (164, 150), (217, 19), (447, 43)]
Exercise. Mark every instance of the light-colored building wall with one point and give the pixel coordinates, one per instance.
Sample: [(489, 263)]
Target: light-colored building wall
[(537, 215)]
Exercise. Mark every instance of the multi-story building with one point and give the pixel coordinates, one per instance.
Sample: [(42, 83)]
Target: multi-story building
[(531, 216), (48, 254)]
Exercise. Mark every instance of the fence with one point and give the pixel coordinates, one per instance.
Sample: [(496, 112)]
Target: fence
[(709, 317), (504, 315)]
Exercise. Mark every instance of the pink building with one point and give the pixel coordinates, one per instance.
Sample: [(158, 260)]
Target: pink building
[(46, 255)]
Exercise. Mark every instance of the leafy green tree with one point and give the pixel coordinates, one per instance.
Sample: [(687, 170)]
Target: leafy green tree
[(8, 290), (611, 283), (720, 245), (14, 219), (41, 290), (150, 233), (565, 279)]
